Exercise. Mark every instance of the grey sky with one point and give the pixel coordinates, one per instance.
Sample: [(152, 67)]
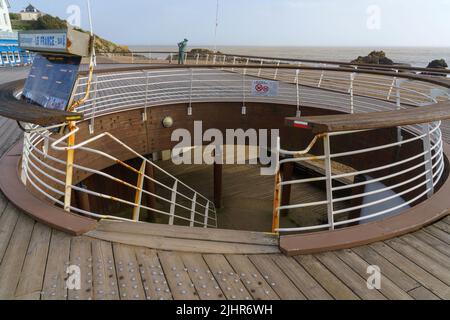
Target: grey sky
[(265, 22)]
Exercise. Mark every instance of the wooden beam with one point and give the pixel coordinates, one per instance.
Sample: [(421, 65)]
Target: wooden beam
[(373, 120)]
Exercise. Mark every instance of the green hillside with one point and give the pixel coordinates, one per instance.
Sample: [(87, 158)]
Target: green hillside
[(48, 22)]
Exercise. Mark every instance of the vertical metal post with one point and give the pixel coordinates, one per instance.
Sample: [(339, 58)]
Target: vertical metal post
[(138, 195), (276, 71), (234, 63), (321, 79), (428, 159), (277, 191), (392, 87), (94, 106), (25, 154), (171, 58), (197, 58), (173, 203), (224, 61), (352, 97), (190, 93), (147, 81), (194, 204), (260, 69), (398, 94), (297, 81), (276, 203), (214, 59), (206, 215), (207, 59), (244, 97), (329, 180), (69, 167)]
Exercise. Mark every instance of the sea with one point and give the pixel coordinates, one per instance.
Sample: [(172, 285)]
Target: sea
[(414, 56)]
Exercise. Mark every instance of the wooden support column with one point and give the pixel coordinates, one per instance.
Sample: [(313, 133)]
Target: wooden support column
[(218, 175), (287, 171)]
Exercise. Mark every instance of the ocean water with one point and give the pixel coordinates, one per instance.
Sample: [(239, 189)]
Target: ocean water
[(418, 57)]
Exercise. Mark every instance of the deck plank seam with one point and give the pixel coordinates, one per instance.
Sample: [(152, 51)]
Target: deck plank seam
[(25, 257)]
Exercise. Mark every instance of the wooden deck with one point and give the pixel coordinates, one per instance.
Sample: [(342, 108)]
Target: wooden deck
[(34, 259)]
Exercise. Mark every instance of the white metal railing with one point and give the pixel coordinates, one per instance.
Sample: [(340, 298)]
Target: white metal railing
[(345, 91), (415, 177), (43, 171)]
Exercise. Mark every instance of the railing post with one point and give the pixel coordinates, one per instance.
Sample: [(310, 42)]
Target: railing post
[(428, 159), (352, 97), (147, 81), (321, 79), (197, 58), (171, 58), (392, 87), (190, 93), (94, 106), (244, 97), (25, 155), (206, 215), (224, 61), (207, 59), (173, 203), (194, 204), (260, 69), (214, 59), (297, 78), (138, 195), (276, 71), (329, 180), (234, 63), (277, 191), (69, 168), (398, 94)]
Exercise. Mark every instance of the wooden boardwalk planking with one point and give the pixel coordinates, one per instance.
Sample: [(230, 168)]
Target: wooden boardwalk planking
[(32, 274), (153, 277), (326, 279), (128, 273), (256, 283), (54, 287), (281, 284)]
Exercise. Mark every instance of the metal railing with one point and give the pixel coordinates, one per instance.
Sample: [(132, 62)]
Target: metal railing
[(45, 173), (385, 189), (338, 89)]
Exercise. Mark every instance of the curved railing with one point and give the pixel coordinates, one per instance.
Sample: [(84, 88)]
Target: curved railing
[(347, 90)]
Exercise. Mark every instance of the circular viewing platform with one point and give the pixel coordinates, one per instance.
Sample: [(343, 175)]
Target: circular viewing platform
[(358, 165)]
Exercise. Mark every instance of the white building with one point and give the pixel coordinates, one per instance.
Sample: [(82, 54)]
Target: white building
[(5, 22), (30, 13)]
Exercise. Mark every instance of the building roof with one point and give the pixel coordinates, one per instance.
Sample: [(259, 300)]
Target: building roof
[(31, 9)]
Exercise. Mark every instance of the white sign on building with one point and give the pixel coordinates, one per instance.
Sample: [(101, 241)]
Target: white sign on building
[(264, 88)]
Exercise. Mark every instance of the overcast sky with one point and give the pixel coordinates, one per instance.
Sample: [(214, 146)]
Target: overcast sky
[(264, 22)]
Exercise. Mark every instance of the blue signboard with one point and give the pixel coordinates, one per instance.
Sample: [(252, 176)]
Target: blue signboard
[(51, 81)]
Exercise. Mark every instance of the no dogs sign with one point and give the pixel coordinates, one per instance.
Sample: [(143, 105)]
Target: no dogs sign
[(264, 88)]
